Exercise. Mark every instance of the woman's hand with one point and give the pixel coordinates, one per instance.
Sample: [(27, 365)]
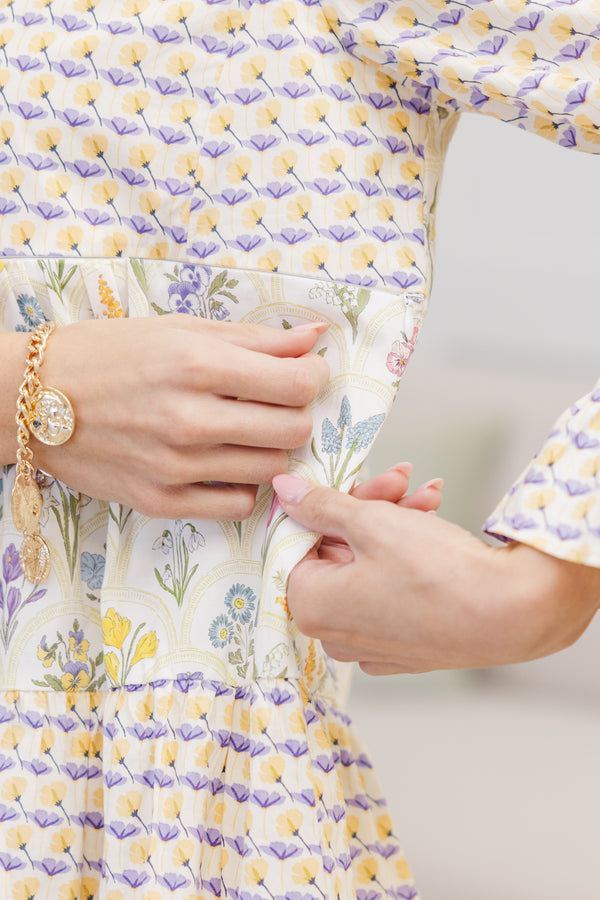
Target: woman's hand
[(165, 403), (391, 486), (416, 593)]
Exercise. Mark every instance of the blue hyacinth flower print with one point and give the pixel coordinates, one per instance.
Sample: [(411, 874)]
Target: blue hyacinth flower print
[(344, 436)]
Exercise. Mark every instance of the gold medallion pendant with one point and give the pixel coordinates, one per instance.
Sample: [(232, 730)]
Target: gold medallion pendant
[(52, 420), (26, 504), (48, 415), (34, 557)]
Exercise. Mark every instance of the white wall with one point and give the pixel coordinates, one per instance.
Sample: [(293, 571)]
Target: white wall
[(493, 775), (512, 335)]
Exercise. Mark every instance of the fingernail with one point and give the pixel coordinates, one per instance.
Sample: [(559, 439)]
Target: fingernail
[(312, 326), (291, 489), (435, 483), (405, 467)]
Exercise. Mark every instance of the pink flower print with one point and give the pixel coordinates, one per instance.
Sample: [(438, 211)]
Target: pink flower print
[(400, 353), (274, 505)]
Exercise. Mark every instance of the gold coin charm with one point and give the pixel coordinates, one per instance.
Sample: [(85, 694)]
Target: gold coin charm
[(52, 420), (34, 557), (26, 503)]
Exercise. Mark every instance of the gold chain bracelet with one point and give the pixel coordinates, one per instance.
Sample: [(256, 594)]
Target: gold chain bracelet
[(47, 414)]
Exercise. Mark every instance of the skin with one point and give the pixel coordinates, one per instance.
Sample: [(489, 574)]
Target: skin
[(398, 590), (165, 403)]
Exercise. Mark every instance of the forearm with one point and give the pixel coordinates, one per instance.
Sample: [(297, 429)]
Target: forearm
[(13, 352), (554, 600), (437, 597)]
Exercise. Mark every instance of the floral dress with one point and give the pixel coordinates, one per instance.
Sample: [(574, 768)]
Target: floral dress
[(164, 729)]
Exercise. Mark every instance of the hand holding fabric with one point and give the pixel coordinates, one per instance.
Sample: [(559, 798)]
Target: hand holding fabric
[(401, 591), (165, 404)]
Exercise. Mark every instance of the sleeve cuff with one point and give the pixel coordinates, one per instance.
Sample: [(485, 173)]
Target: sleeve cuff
[(554, 505)]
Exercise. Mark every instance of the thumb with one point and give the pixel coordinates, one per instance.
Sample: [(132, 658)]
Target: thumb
[(321, 509)]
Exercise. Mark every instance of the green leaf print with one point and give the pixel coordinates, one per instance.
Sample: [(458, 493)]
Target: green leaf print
[(139, 270), (57, 276), (348, 298)]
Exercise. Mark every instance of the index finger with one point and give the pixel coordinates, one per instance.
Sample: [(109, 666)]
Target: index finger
[(251, 375), (325, 510), (295, 341)]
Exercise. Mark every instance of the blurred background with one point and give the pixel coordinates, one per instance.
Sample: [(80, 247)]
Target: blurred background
[(493, 775)]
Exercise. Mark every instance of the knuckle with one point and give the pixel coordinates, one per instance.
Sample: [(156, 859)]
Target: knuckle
[(309, 620), (341, 652), (323, 371), (371, 668), (276, 463), (163, 466), (180, 366), (183, 429), (152, 503), (300, 431), (196, 364), (373, 516), (306, 382), (241, 503)]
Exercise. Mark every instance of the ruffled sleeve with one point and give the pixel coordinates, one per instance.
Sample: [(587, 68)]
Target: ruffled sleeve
[(555, 504), (534, 64)]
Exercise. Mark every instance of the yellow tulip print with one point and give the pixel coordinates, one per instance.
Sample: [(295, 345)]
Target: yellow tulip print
[(115, 629), (271, 261), (39, 88), (26, 889), (315, 260), (21, 234), (115, 632), (145, 648), (305, 873), (68, 239), (115, 244)]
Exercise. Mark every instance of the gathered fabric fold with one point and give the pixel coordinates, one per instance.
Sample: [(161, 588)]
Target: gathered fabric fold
[(191, 789)]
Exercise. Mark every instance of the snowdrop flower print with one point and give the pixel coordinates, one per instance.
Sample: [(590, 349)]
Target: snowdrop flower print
[(176, 575)]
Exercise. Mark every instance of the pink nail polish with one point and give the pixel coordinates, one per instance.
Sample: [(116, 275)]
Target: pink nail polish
[(435, 483), (312, 326), (290, 489), (404, 467)]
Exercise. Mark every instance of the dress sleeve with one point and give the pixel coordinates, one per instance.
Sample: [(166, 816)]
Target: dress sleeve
[(555, 504), (534, 64)]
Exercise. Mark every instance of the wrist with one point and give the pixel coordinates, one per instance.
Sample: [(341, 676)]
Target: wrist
[(13, 353), (552, 600)]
